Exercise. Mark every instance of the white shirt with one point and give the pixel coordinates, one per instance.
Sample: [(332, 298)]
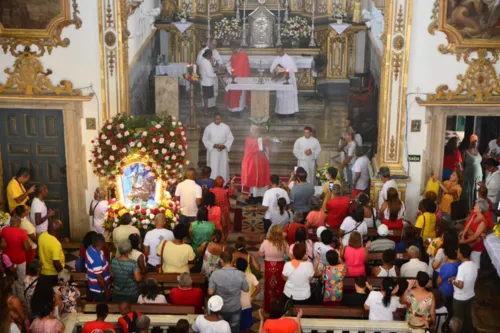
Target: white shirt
[(204, 326), (467, 273), (493, 149), (412, 267), (215, 56), (298, 285), (358, 139), (349, 151), (188, 191), (39, 206), (321, 249), (361, 166), (270, 200), (348, 225), (207, 73), (152, 239), (382, 195), (245, 297), (100, 209), (302, 144), (493, 185), (377, 309), (160, 299)]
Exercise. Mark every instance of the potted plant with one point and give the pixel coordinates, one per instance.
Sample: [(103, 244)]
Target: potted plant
[(339, 14), (295, 29)]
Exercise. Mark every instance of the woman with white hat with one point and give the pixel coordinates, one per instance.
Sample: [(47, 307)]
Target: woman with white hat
[(212, 323)]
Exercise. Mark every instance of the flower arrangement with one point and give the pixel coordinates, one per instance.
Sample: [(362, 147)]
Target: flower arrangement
[(4, 219), (142, 215), (160, 142), (181, 15), (227, 29), (322, 173), (339, 13), (496, 229), (191, 76), (295, 27)]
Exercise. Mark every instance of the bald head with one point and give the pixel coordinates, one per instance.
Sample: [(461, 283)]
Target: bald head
[(191, 174), (160, 221), (54, 226), (124, 308)]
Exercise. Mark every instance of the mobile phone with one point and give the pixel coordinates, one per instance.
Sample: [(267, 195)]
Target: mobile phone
[(295, 169), (429, 240), (330, 185)]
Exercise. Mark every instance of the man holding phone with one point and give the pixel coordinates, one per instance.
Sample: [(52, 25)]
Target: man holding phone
[(16, 193)]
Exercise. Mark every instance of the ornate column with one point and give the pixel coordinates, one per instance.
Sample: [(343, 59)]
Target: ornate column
[(394, 76)]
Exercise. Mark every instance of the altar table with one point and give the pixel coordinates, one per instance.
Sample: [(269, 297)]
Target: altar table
[(492, 245), (174, 69), (255, 61), (260, 92)]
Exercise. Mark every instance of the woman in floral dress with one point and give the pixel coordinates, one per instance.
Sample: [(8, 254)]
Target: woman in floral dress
[(69, 294), (419, 302), (333, 276), (222, 200)]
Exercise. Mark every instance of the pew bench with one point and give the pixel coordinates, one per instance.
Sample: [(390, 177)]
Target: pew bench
[(160, 309), (339, 312)]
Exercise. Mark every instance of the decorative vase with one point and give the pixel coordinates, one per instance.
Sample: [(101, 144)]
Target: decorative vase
[(183, 20), (339, 21)]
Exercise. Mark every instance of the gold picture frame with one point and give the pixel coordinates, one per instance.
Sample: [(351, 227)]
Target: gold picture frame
[(39, 32)]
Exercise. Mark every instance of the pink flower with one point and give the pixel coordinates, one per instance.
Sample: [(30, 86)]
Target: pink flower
[(139, 144), (143, 149), (144, 133), (171, 133), (113, 147), (158, 126), (109, 127), (166, 158), (124, 150), (121, 126), (119, 135), (172, 144), (163, 151), (108, 142), (156, 151), (111, 158), (131, 144), (126, 133), (162, 140)]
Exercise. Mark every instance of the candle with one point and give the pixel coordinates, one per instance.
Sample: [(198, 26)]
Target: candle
[(194, 70), (287, 74)]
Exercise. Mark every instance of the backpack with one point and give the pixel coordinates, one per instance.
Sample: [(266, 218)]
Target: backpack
[(132, 328)]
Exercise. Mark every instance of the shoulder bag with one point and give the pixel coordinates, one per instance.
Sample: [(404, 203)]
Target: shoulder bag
[(160, 270)]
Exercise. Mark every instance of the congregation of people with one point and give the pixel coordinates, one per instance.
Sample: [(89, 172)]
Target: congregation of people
[(310, 246)]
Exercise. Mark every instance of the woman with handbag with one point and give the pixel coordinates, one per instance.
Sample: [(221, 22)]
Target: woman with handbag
[(332, 276), (474, 229), (175, 255), (97, 210)]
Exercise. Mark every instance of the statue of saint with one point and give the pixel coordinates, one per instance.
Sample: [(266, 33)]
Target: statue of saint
[(356, 13)]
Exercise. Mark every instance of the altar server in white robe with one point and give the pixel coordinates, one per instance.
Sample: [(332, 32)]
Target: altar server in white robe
[(216, 61), (287, 102), (218, 140), (307, 150)]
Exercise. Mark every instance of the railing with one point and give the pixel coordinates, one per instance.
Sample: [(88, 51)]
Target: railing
[(309, 325)]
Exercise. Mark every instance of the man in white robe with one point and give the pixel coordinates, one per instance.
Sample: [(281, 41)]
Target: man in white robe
[(287, 102), (218, 140), (307, 150), (216, 61)]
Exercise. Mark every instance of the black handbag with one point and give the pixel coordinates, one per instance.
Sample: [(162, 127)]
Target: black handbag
[(317, 290), (198, 263)]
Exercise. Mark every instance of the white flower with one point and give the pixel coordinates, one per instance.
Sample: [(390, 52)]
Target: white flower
[(106, 162), (180, 146), (174, 157), (158, 126), (145, 221), (187, 163), (111, 158), (143, 149), (98, 165), (109, 127), (104, 137), (168, 196), (114, 147), (132, 144), (154, 140), (99, 150), (179, 123), (139, 144), (167, 158), (163, 151), (121, 126), (126, 133), (161, 140), (174, 123), (124, 150), (151, 216), (119, 135), (169, 166), (171, 134), (172, 144), (108, 142), (183, 153), (134, 219), (100, 156), (144, 133), (156, 151), (145, 226)]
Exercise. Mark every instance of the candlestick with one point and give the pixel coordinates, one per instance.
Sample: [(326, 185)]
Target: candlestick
[(244, 37), (238, 10), (286, 10), (312, 43), (278, 41), (287, 76), (233, 76), (208, 23)]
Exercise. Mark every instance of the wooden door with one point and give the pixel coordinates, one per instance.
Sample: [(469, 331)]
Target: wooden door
[(35, 139)]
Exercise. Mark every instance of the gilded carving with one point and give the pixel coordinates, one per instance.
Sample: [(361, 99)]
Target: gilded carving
[(29, 78), (392, 148), (43, 33), (434, 18), (110, 38), (479, 84), (110, 22), (398, 43), (400, 22), (396, 64)]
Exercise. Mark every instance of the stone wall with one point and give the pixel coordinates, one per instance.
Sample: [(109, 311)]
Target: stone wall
[(142, 90)]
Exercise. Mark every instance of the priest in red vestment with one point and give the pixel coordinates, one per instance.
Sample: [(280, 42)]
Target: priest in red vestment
[(255, 170), (236, 100)]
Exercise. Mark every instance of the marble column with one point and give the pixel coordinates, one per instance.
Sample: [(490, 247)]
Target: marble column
[(260, 104), (167, 96), (193, 141)]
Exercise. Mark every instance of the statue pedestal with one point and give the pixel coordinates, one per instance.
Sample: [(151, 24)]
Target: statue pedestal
[(193, 136), (260, 104), (167, 96)]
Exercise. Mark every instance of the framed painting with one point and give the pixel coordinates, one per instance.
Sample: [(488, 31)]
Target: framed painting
[(468, 23), (36, 23)]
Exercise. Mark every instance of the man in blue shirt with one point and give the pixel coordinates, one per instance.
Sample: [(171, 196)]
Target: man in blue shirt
[(97, 266), (445, 272)]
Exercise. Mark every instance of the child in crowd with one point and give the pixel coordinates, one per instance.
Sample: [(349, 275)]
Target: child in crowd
[(214, 213), (69, 294), (149, 293), (246, 298), (6, 266)]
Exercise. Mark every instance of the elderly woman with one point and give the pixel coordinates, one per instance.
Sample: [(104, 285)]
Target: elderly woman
[(222, 201), (97, 210), (474, 229), (316, 217), (255, 170), (185, 294), (126, 274)]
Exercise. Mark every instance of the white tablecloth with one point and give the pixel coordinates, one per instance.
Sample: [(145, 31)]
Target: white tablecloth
[(492, 245), (250, 83), (340, 28), (176, 69), (255, 61)]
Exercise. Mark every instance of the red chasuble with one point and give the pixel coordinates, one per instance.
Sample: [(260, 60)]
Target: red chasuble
[(240, 64), (255, 170)]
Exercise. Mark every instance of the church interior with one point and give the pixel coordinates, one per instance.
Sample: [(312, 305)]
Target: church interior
[(108, 101)]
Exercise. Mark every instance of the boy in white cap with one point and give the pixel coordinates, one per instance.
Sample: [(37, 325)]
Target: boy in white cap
[(212, 322)]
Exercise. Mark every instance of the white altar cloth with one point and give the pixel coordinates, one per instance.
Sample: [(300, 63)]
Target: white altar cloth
[(176, 69), (255, 61), (250, 83), (492, 245), (340, 28)]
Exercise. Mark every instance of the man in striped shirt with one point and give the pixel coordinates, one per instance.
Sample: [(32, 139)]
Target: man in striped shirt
[(97, 271)]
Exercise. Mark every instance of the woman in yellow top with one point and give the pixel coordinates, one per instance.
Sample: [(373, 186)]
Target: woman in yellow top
[(451, 191), (426, 222)]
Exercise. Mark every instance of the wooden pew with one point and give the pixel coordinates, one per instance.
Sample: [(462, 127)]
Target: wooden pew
[(342, 312), (373, 280), (377, 256), (165, 309), (372, 233)]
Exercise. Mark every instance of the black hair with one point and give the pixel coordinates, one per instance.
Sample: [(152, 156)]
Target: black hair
[(42, 301), (240, 244), (134, 241), (450, 252), (301, 174), (6, 285), (403, 285), (332, 257), (275, 179), (101, 310), (360, 281), (87, 239), (388, 256), (33, 267), (19, 210), (465, 250), (429, 205), (326, 237), (358, 214), (282, 205), (202, 214), (308, 128), (300, 235), (422, 278), (491, 163), (451, 146), (39, 189), (438, 298), (388, 286), (149, 289), (209, 199), (276, 311), (98, 238), (180, 231), (216, 236), (207, 53), (450, 240), (363, 199), (22, 172), (241, 264), (126, 218), (333, 172)]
